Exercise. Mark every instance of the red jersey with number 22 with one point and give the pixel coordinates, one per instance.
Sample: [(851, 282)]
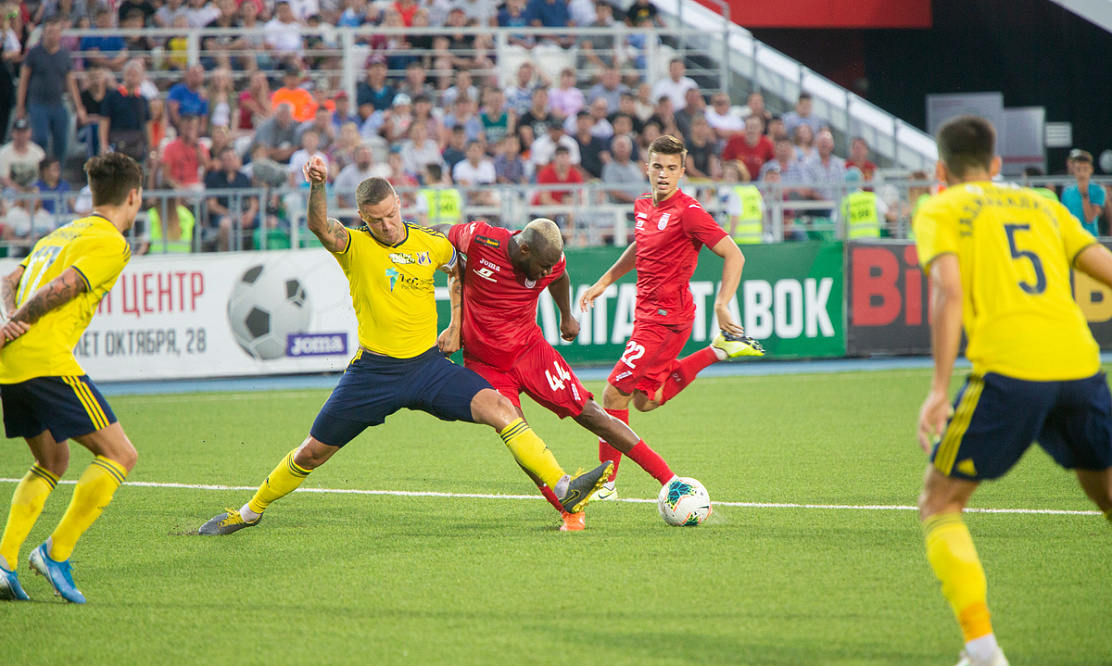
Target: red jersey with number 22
[(669, 237), (500, 304)]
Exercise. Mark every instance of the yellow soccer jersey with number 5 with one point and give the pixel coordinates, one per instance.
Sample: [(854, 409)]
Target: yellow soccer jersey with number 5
[(97, 250), (392, 288), (1015, 249)]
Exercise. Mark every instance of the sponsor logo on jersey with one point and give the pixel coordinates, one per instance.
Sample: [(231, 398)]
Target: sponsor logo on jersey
[(623, 375), (317, 344), (486, 240), (663, 221), (401, 258), (402, 280), (662, 312), (486, 274), (490, 264)]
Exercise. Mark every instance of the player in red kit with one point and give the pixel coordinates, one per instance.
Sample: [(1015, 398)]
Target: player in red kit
[(502, 274), (670, 229)]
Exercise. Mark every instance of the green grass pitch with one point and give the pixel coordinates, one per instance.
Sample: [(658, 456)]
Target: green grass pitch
[(386, 579)]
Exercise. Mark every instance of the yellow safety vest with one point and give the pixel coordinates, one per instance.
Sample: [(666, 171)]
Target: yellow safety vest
[(859, 214), (750, 223), (1046, 193), (445, 205), (154, 223)]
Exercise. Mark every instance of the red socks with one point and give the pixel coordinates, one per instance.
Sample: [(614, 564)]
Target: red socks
[(685, 371), (551, 497), (651, 462), (607, 452)]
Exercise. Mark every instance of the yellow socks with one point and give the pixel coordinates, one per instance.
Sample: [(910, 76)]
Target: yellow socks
[(27, 503), (955, 563), (285, 479), (530, 452), (94, 491)]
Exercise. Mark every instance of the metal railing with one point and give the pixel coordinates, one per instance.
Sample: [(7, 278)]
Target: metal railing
[(349, 48), (587, 216)]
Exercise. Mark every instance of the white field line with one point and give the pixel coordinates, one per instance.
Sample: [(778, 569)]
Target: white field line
[(746, 505)]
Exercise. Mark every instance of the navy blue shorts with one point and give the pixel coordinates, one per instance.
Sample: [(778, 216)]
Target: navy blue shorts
[(66, 406), (996, 418), (374, 387)]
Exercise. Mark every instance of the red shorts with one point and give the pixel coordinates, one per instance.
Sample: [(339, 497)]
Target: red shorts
[(543, 375), (650, 356)]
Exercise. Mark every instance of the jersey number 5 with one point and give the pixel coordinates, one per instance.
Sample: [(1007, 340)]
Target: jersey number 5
[(1036, 263)]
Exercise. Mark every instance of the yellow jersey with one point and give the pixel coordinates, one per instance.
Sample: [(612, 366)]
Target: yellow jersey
[(97, 250), (1015, 249), (392, 288)]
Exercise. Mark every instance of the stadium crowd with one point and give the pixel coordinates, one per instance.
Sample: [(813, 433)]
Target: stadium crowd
[(436, 114)]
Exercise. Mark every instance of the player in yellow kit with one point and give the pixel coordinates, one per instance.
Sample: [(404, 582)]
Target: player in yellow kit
[(999, 258), (401, 364), (47, 302)]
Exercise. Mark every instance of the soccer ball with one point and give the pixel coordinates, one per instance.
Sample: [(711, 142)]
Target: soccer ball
[(268, 303), (684, 502)]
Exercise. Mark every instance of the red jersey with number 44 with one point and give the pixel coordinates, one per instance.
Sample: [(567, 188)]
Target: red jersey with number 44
[(669, 237), (499, 303)]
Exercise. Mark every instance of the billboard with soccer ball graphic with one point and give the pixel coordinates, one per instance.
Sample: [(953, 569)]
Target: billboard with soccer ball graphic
[(220, 315)]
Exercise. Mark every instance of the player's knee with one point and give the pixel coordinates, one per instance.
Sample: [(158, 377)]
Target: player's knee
[(130, 457), (55, 461), (112, 443), (492, 408), (123, 453), (644, 403), (612, 398), (313, 453)]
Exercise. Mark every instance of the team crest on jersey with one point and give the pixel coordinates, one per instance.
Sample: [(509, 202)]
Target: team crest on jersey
[(663, 221), (530, 283), (486, 240), (423, 259), (400, 258)]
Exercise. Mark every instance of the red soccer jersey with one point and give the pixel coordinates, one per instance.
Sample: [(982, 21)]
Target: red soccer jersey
[(499, 303), (548, 176), (753, 157), (669, 237)]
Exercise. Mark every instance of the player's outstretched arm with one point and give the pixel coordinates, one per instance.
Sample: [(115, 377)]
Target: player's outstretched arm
[(946, 300), (560, 289), (733, 262), (332, 234), (1096, 262), (623, 265)]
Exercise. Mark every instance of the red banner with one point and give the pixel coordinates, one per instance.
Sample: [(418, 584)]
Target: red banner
[(832, 14), (888, 305)]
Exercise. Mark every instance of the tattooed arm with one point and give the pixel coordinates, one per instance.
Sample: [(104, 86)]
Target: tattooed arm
[(60, 291), (449, 340), (8, 285), (332, 234)]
